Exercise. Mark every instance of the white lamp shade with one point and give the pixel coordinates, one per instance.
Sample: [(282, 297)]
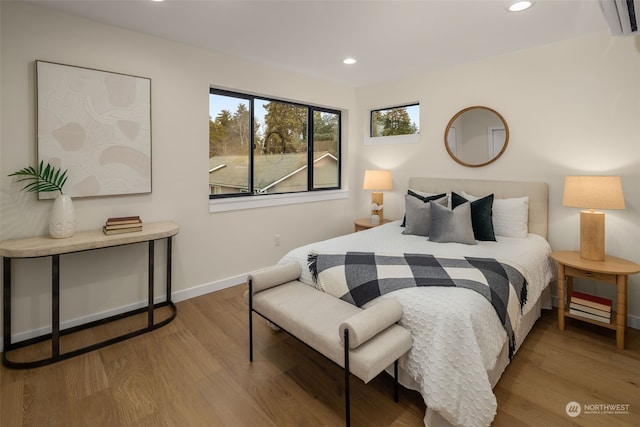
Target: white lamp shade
[(377, 180), (593, 192)]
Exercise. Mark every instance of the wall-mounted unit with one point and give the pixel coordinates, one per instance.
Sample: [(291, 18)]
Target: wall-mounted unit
[(621, 16)]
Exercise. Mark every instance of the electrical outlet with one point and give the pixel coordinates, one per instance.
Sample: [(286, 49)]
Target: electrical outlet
[(276, 240)]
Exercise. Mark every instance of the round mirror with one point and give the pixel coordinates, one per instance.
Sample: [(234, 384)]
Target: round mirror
[(476, 136)]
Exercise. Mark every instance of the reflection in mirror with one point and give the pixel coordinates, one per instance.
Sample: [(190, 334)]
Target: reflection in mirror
[(476, 136)]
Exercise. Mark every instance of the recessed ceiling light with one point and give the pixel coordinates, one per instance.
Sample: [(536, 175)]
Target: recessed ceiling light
[(349, 61), (519, 5)]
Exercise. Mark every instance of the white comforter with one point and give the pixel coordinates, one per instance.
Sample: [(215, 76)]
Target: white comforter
[(457, 336)]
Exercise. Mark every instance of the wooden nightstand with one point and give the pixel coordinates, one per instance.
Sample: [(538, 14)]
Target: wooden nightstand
[(365, 224), (612, 270)]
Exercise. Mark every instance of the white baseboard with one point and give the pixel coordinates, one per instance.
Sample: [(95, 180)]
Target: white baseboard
[(208, 288), (176, 297), (632, 321)]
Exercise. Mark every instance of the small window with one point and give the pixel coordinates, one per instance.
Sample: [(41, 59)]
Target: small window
[(394, 121)]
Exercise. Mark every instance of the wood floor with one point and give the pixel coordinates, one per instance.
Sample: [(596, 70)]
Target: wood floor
[(195, 372)]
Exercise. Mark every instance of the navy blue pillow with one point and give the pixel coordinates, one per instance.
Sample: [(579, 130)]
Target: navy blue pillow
[(425, 199), (481, 216)]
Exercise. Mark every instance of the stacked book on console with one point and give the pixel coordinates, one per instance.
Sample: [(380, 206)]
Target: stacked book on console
[(123, 224), (590, 307)]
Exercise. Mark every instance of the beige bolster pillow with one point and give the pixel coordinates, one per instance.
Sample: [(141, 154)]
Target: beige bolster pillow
[(274, 276), (371, 321)]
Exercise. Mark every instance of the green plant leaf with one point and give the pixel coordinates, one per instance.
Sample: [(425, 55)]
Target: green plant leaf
[(44, 179)]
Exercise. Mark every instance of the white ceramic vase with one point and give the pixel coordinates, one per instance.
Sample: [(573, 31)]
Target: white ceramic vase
[(62, 221)]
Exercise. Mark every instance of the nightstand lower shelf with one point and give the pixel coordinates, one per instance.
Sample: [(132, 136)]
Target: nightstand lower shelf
[(613, 325)]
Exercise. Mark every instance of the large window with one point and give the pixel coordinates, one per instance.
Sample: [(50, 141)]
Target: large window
[(267, 146), (395, 121)]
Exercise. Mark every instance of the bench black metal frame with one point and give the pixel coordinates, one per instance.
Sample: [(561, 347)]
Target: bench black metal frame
[(347, 400)]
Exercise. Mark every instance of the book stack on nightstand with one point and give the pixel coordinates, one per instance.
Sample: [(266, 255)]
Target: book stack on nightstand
[(591, 307), (123, 224)]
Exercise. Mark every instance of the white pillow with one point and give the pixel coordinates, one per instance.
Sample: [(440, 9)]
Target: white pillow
[(510, 216)]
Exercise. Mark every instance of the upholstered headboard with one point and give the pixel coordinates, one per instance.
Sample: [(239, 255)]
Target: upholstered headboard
[(538, 193)]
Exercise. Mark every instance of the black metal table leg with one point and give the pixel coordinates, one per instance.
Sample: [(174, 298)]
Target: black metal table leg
[(6, 304), (55, 306), (169, 240), (151, 282)]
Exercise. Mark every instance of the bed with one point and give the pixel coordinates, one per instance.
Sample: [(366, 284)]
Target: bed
[(460, 345)]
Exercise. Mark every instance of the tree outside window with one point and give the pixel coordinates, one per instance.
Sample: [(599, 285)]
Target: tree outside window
[(395, 121)]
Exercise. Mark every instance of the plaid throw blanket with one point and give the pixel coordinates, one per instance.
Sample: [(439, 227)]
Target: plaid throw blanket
[(359, 277)]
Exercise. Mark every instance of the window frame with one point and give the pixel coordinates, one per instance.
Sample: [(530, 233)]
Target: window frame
[(311, 109)]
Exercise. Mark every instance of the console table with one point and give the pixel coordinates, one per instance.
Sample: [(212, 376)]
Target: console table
[(36, 247)]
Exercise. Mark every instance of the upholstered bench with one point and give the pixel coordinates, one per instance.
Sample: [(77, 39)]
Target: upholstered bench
[(363, 342)]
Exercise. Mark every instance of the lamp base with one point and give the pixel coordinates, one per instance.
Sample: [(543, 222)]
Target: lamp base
[(377, 198), (592, 236)]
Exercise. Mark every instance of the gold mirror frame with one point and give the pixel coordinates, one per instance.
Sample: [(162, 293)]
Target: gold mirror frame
[(455, 157)]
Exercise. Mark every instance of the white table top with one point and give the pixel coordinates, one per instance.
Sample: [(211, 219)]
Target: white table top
[(84, 240)]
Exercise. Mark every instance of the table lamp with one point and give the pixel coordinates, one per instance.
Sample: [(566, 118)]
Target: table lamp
[(592, 192), (378, 181)]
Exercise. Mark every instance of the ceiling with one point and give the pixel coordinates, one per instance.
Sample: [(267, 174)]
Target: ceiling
[(389, 39)]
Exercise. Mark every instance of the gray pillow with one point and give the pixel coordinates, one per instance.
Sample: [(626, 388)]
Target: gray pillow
[(451, 225), (418, 215)]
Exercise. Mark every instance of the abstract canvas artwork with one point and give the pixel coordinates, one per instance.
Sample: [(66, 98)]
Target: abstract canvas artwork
[(96, 124)]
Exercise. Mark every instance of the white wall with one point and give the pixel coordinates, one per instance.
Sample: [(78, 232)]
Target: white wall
[(572, 108), (210, 247)]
